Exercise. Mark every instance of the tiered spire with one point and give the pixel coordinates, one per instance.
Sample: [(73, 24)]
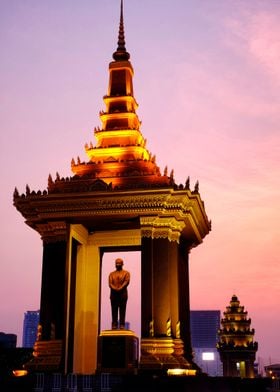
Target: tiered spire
[(121, 53), (120, 157), (236, 345)]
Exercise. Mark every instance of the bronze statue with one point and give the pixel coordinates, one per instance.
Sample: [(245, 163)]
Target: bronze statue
[(118, 282)]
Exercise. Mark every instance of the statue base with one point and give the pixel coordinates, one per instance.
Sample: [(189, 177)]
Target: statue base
[(163, 354), (117, 352), (47, 356)]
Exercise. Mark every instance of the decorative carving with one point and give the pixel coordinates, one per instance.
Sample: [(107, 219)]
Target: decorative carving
[(151, 329), (52, 231), (161, 227), (168, 327), (178, 332), (47, 356), (178, 347), (187, 185), (100, 185), (16, 193), (39, 332), (50, 180)]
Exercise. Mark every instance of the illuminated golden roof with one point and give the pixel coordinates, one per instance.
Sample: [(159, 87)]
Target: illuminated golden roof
[(120, 156), (235, 332), (120, 185)]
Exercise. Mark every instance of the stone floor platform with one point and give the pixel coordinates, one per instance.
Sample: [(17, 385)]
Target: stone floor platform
[(40, 382)]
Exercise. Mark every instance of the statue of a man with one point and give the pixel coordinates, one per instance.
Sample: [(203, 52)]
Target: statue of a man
[(118, 282)]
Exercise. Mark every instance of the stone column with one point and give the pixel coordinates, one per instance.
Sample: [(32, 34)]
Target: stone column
[(164, 301), (53, 290)]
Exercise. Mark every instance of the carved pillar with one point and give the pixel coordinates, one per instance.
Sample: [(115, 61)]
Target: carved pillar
[(48, 348), (146, 287), (184, 299), (53, 289), (165, 305)]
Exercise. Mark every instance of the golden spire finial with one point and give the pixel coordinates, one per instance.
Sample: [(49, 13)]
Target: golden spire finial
[(121, 53)]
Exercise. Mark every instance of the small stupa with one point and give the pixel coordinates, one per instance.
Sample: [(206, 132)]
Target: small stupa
[(236, 344)]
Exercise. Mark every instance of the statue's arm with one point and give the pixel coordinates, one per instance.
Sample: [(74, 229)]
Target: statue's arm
[(125, 281), (111, 283)]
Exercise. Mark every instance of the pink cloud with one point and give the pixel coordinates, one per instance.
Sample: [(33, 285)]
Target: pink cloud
[(264, 42), (260, 36)]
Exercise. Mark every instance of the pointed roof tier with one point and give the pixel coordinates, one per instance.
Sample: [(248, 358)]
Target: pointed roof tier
[(119, 157), (236, 341), (121, 53), (235, 333)]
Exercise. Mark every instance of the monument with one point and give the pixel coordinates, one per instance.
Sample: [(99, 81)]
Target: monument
[(118, 200), (236, 344), (118, 282), (118, 348)]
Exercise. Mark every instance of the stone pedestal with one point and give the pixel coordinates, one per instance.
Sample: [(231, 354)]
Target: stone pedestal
[(117, 352), (163, 354), (47, 356)]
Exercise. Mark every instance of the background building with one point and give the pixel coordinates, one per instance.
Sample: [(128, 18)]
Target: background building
[(30, 325), (204, 336), (7, 340), (11, 358)]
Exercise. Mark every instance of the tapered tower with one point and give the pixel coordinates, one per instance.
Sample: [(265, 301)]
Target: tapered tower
[(236, 344), (117, 200)]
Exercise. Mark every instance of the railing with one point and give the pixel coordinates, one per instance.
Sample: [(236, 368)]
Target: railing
[(275, 385), (58, 382)]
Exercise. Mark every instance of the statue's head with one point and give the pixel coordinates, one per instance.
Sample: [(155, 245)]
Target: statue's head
[(119, 263)]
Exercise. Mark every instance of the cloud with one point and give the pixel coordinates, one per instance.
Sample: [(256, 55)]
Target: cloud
[(258, 34), (264, 42)]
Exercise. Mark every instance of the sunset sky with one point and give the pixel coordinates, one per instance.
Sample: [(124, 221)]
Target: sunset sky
[(207, 81)]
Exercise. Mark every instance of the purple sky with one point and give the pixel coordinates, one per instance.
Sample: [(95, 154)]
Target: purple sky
[(207, 80)]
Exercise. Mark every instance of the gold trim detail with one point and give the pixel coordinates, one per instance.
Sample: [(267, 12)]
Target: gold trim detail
[(52, 231), (161, 227)]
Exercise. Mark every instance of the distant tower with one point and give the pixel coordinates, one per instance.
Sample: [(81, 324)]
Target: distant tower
[(204, 337), (30, 325), (236, 345)]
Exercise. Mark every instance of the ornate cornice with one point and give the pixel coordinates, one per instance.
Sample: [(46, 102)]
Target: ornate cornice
[(161, 227), (52, 231), (165, 213)]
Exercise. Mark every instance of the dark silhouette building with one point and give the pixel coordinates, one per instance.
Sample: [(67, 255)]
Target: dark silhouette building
[(8, 340), (30, 326)]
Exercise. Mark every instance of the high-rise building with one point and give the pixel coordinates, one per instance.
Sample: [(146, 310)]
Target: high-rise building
[(30, 325), (204, 336)]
